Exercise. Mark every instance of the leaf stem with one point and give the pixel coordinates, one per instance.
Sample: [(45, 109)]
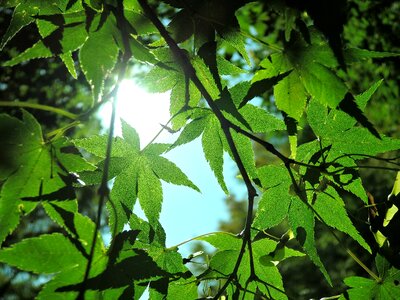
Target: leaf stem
[(200, 236), (40, 107)]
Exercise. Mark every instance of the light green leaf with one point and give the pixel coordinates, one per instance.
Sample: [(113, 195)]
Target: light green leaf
[(260, 120), (131, 137), (331, 209), (33, 170), (165, 78), (169, 172), (237, 40), (169, 260), (301, 220), (191, 131), (275, 201), (182, 289), (69, 63), (48, 253), (61, 212), (51, 290), (213, 150), (149, 192), (322, 84), (222, 240), (363, 98), (178, 102), (278, 202), (141, 52), (101, 45), (225, 67), (139, 21), (97, 145), (290, 95), (362, 288), (245, 148), (123, 196), (206, 78)]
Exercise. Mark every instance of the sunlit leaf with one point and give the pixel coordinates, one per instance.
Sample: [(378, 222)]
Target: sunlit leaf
[(48, 254)]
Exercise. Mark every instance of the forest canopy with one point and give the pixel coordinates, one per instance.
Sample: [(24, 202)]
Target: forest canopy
[(301, 95)]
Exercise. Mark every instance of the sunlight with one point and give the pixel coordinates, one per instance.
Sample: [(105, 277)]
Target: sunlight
[(142, 110)]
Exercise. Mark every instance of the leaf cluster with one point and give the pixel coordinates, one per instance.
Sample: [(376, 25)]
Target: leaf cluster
[(190, 57)]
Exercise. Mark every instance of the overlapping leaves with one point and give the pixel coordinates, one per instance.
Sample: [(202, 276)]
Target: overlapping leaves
[(266, 254), (137, 175), (33, 170)]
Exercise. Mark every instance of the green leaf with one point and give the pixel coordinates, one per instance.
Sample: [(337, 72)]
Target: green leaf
[(182, 289), (290, 95), (178, 102), (168, 260), (259, 87), (137, 175), (53, 288), (72, 37), (331, 209), (223, 262), (69, 63), (237, 40), (213, 150), (225, 67), (206, 78), (22, 16), (363, 98), (149, 192), (48, 253), (278, 202), (301, 220), (336, 129), (356, 54), (245, 148), (363, 288), (33, 170), (323, 84), (100, 44), (191, 131), (123, 196), (169, 172), (276, 184), (62, 212), (165, 78), (260, 120), (141, 24), (222, 240), (97, 145)]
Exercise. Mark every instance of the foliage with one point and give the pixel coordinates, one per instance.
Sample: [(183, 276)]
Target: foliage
[(193, 57)]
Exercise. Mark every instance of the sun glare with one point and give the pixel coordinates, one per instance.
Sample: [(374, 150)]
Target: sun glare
[(142, 110)]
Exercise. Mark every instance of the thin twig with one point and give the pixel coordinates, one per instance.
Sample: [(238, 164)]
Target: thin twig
[(103, 189), (53, 109)]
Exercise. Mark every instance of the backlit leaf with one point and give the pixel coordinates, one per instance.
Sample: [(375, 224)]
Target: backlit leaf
[(100, 44), (50, 253)]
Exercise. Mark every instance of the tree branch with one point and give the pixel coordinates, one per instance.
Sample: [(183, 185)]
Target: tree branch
[(189, 71)]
